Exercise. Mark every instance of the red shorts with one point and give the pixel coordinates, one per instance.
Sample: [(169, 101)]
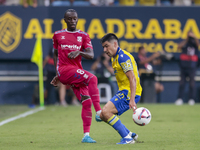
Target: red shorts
[(77, 78)]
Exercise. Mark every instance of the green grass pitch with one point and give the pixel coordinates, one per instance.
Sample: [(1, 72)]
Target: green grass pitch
[(60, 128)]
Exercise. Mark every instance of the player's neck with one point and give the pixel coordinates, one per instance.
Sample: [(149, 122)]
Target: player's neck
[(71, 30)]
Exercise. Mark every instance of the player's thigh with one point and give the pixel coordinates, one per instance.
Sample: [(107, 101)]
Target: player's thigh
[(109, 108), (75, 76), (121, 102)]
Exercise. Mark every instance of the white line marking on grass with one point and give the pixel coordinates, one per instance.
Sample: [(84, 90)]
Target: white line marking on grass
[(21, 115)]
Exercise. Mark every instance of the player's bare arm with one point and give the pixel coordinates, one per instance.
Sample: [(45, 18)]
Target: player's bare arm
[(55, 57), (87, 54), (108, 67), (132, 80), (191, 34), (55, 80), (46, 60), (149, 59), (181, 44)]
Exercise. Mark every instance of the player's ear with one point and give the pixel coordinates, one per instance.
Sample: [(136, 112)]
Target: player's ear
[(115, 44)]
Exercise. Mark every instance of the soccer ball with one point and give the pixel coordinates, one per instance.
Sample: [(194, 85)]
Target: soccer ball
[(142, 116)]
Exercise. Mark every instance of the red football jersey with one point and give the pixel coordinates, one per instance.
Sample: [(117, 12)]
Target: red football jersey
[(66, 41)]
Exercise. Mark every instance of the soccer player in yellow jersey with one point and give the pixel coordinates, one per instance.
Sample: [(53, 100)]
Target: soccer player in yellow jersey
[(130, 90)]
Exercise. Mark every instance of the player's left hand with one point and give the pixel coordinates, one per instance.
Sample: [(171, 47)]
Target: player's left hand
[(132, 105), (55, 81), (73, 54)]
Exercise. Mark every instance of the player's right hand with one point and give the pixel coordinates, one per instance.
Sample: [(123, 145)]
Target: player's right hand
[(55, 81), (73, 54), (132, 105)]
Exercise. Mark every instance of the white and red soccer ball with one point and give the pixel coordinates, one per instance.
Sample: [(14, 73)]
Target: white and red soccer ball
[(142, 116)]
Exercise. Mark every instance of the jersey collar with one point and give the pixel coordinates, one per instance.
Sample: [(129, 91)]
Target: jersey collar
[(72, 31), (118, 49)]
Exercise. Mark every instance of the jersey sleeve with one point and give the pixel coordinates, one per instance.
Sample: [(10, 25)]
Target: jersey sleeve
[(125, 62), (87, 42), (55, 43)]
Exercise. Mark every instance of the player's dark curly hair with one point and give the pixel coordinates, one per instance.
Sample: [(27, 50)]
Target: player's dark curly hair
[(140, 48), (108, 37), (69, 10)]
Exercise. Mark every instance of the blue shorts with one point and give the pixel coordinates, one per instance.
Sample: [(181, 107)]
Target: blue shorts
[(121, 101)]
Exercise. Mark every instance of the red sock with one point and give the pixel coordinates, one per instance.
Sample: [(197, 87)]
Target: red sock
[(94, 93), (86, 114)]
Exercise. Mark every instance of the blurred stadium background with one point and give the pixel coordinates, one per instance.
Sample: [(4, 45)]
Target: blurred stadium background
[(158, 26)]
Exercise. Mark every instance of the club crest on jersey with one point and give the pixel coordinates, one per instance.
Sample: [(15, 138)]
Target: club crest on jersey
[(79, 38), (62, 37)]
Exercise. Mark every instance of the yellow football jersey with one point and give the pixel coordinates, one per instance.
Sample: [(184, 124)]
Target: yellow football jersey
[(197, 2), (123, 62), (127, 2), (147, 2)]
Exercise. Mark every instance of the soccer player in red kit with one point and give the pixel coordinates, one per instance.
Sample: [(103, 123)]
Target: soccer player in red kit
[(70, 45)]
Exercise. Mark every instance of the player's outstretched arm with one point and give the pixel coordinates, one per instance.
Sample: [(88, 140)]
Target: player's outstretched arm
[(55, 57), (132, 81), (181, 44), (151, 58), (88, 53)]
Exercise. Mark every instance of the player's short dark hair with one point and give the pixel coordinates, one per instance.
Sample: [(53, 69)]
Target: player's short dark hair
[(69, 10), (108, 37), (140, 48)]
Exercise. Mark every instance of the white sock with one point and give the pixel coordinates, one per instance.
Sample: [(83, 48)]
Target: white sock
[(128, 137), (130, 133), (99, 112), (86, 133)]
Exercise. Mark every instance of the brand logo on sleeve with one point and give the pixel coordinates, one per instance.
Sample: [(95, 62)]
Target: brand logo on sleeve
[(89, 43)]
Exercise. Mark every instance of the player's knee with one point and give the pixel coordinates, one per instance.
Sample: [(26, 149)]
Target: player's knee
[(94, 80), (83, 98), (104, 112)]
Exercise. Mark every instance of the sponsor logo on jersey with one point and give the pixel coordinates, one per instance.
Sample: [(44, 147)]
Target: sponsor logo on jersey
[(71, 47), (79, 38), (10, 29), (62, 37)]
